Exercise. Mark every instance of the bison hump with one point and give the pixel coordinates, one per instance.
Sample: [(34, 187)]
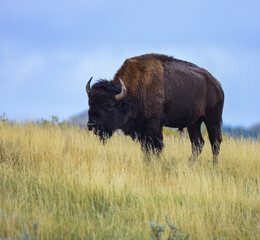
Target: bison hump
[(143, 78)]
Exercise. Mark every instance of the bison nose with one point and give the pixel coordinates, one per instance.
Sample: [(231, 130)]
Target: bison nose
[(91, 125)]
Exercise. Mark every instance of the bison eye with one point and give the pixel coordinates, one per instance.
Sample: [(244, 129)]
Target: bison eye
[(110, 109)]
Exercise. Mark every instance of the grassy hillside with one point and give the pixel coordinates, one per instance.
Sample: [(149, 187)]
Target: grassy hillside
[(74, 187)]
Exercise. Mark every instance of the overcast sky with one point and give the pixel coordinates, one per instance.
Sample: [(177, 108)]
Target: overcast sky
[(50, 49)]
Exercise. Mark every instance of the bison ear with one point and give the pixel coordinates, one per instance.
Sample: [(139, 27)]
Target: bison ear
[(121, 95), (88, 86)]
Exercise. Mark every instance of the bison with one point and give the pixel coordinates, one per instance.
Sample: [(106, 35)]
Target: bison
[(151, 91)]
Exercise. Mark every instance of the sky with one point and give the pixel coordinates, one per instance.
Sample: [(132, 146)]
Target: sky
[(50, 49)]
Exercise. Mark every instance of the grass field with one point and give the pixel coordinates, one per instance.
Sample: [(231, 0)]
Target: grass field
[(73, 187)]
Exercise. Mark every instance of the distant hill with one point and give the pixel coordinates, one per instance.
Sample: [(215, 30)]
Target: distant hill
[(255, 128), (81, 120), (237, 132)]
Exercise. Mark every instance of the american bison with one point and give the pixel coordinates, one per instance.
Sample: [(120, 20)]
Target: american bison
[(151, 91)]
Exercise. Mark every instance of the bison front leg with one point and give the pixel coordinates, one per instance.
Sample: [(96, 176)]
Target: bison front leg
[(152, 138)]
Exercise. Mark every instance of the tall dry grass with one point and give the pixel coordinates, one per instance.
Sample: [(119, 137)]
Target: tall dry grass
[(74, 187)]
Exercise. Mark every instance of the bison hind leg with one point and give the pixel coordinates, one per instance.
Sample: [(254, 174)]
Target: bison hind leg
[(215, 137), (196, 139)]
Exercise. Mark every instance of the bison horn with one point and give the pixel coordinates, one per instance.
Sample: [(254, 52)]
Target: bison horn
[(121, 95), (88, 86)]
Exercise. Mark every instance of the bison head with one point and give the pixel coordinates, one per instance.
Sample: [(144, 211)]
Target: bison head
[(108, 108)]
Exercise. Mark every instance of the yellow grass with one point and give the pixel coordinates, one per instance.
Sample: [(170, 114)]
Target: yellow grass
[(74, 187)]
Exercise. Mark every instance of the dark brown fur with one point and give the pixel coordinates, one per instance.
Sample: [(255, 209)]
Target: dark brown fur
[(164, 91)]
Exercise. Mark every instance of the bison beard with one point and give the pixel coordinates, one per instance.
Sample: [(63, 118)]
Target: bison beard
[(156, 91)]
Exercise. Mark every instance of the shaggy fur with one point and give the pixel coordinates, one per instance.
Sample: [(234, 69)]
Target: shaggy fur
[(161, 91)]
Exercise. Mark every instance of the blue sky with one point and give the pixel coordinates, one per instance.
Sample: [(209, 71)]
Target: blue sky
[(49, 49)]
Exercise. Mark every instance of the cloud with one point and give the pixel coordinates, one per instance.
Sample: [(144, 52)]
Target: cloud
[(20, 69)]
